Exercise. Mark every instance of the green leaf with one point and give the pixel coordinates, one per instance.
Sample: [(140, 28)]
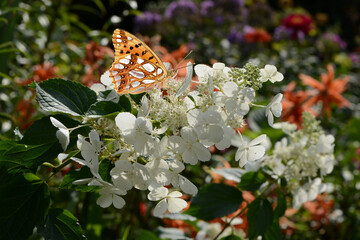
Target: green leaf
[(59, 95), (274, 232), (125, 103), (28, 156), (61, 225), (43, 132), (231, 237), (104, 108), (71, 176), (148, 235), (260, 216), (40, 144), (12, 166), (251, 181), (104, 169), (24, 201), (281, 204), (137, 97), (214, 201)]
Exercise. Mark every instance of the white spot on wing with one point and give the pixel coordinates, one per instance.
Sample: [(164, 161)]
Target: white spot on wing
[(129, 38), (114, 72), (118, 36), (118, 40), (148, 81), (119, 66), (137, 74), (128, 56), (139, 61), (124, 61), (159, 71), (135, 84), (117, 78), (148, 67), (127, 87)]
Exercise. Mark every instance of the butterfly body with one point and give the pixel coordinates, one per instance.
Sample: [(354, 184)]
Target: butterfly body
[(136, 67)]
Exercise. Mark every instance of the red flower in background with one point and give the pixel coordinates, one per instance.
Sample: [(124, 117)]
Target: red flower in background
[(298, 23), (42, 72), (328, 90), (294, 104)]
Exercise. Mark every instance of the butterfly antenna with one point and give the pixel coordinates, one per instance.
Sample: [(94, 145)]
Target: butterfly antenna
[(187, 55)]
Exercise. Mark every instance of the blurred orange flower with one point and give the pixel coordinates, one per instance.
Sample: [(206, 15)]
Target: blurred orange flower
[(175, 58), (320, 209), (257, 35), (94, 59), (328, 90), (294, 104), (96, 52), (25, 111), (42, 72)]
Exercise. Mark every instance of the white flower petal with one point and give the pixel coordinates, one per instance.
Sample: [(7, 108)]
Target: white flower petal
[(257, 140), (215, 133), (143, 124), (125, 122), (175, 194), (188, 134), (277, 78), (144, 144), (256, 152), (270, 119), (201, 152), (300, 196), (95, 140), (78, 160), (201, 70), (160, 208), (187, 186), (158, 193), (104, 201), (218, 66), (62, 156), (189, 157), (64, 137), (82, 181), (56, 123), (97, 87), (176, 205), (176, 165), (187, 80), (230, 89), (194, 117), (106, 80), (118, 201), (121, 166), (177, 144), (241, 156)]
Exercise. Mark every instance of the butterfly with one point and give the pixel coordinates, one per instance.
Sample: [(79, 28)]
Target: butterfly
[(136, 68)]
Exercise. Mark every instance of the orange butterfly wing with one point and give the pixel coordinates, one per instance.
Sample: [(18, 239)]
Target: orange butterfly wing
[(136, 67)]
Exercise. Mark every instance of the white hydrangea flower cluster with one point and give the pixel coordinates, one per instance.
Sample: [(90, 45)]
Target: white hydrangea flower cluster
[(302, 159), (150, 150)]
